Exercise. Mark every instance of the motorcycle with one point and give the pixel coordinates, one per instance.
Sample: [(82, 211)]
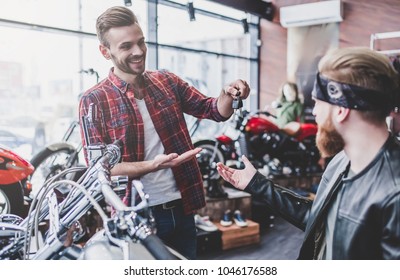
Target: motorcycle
[(128, 234), (56, 157), (20, 180), (287, 151), (14, 183), (59, 156)]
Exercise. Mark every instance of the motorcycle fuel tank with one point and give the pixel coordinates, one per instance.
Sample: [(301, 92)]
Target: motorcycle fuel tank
[(307, 130), (258, 125), (13, 168)]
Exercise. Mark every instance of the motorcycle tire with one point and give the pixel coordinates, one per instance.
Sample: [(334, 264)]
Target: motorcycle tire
[(50, 161), (208, 168), (12, 200)]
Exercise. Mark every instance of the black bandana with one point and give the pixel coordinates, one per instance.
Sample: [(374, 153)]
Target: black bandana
[(350, 96)]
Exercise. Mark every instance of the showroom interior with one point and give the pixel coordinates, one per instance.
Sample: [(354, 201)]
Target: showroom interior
[(49, 56)]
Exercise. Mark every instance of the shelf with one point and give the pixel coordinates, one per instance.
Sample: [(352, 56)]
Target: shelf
[(216, 207), (232, 194)]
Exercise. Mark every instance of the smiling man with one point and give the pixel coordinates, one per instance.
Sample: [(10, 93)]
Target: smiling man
[(146, 110)]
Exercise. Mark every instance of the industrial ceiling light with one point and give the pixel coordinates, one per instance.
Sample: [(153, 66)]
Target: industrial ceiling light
[(191, 11), (245, 25), (128, 3)]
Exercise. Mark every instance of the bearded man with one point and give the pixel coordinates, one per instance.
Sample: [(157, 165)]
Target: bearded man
[(356, 211)]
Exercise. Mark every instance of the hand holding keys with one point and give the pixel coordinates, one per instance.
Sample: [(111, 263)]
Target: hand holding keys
[(237, 104)]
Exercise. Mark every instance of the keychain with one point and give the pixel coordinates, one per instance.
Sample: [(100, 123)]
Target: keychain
[(237, 104)]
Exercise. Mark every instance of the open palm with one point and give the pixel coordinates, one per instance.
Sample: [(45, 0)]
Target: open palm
[(239, 178)]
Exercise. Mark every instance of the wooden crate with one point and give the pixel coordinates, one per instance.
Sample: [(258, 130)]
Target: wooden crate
[(235, 236)]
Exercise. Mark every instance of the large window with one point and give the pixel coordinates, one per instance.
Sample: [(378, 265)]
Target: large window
[(49, 55), (38, 83), (209, 52)]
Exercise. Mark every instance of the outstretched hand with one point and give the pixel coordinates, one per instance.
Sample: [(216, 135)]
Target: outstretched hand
[(239, 178), (173, 159)]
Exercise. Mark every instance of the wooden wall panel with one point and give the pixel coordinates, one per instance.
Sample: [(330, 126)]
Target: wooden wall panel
[(361, 19), (272, 61)]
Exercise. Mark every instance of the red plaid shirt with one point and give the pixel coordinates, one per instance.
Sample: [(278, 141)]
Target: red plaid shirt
[(115, 115)]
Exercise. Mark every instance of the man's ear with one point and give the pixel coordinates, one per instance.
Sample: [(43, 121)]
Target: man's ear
[(105, 52), (342, 114)]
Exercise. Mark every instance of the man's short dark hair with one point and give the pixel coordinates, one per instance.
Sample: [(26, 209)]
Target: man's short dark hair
[(113, 17)]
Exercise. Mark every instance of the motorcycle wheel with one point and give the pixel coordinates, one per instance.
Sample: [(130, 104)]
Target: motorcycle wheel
[(51, 161), (205, 160), (12, 200)]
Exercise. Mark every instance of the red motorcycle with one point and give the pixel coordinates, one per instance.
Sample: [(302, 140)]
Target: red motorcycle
[(290, 150), (14, 184)]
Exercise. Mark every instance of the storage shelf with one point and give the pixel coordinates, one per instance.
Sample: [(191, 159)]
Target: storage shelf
[(216, 207)]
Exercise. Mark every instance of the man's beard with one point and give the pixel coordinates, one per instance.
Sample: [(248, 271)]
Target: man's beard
[(124, 66), (329, 141)]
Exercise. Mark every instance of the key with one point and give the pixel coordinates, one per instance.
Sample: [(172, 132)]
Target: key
[(237, 104), (240, 107)]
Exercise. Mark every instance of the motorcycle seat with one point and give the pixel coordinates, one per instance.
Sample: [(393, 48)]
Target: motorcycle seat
[(291, 128)]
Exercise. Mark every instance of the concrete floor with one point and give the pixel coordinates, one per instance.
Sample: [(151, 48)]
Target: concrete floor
[(280, 242)]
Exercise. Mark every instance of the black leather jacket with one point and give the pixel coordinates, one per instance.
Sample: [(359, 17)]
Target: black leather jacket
[(368, 220)]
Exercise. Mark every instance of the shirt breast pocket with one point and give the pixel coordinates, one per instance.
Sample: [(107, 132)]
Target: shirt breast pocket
[(167, 109), (164, 103), (118, 121)]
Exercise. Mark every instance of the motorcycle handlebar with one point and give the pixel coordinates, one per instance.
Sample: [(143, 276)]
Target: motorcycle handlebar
[(110, 157), (112, 154), (246, 113), (151, 242), (266, 113), (157, 248), (110, 196)]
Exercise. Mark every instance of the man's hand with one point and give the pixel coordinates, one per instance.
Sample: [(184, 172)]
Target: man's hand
[(238, 88), (172, 160), (239, 178)]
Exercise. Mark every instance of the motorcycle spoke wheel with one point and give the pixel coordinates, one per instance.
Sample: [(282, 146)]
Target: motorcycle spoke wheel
[(49, 165), (12, 199), (208, 158), (4, 203)]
